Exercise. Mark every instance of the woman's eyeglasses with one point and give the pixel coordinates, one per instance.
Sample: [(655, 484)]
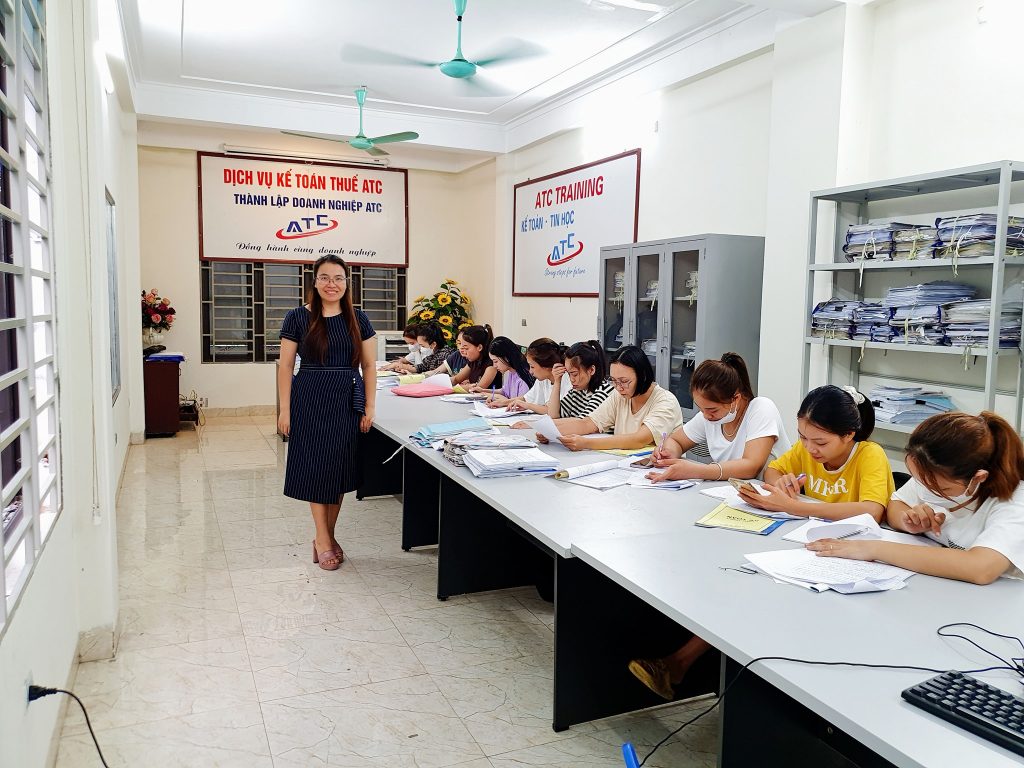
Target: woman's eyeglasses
[(327, 280)]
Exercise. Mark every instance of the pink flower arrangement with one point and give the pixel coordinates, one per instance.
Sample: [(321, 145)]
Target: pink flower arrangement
[(157, 312)]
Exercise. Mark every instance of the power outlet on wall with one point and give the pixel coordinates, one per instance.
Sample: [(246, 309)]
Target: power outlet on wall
[(204, 402)]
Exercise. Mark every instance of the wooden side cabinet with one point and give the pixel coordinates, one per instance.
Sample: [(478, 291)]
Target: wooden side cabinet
[(160, 378)]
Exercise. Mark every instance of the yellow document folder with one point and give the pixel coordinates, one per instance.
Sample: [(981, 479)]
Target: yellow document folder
[(724, 516)]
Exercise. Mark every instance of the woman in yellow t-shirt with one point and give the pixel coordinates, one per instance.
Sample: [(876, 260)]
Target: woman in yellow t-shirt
[(832, 462)]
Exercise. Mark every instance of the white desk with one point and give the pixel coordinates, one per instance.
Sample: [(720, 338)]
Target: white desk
[(750, 616)]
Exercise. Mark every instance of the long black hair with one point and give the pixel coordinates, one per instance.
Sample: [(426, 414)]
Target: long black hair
[(432, 333), (589, 354), (635, 358), (836, 410), (478, 336), (316, 336), (507, 350)]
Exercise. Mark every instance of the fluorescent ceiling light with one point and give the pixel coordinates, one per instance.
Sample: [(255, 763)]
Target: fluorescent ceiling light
[(287, 154)]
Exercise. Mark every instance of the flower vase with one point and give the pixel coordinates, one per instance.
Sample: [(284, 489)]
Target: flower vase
[(151, 337)]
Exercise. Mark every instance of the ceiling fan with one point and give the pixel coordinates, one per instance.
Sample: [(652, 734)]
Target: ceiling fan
[(360, 140), (459, 67)]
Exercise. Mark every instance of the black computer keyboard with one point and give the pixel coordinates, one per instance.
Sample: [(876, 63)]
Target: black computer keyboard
[(978, 707)]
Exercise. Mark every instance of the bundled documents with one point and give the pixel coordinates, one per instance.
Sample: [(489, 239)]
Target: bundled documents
[(968, 323), (509, 463), (914, 243), (833, 319), (907, 405), (935, 293), (973, 235), (871, 322), (431, 433), (871, 241)]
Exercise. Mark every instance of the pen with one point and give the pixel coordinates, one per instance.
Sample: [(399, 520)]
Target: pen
[(664, 437), (799, 477), (492, 393)]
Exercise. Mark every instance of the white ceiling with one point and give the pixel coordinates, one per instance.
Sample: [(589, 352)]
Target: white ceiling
[(293, 65)]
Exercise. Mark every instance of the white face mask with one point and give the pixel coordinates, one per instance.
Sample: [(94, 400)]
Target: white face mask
[(730, 417), (953, 502), (413, 347)]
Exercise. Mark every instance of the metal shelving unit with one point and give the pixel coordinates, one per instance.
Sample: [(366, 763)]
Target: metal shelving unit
[(647, 298), (982, 187)]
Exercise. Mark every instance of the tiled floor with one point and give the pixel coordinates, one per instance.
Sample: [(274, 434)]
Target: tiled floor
[(238, 651)]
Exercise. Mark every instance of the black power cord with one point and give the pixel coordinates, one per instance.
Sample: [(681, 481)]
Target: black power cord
[(1015, 665), (38, 691)]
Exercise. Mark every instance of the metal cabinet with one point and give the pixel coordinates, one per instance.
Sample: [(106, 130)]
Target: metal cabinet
[(683, 300)]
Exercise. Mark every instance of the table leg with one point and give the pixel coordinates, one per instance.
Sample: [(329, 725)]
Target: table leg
[(420, 504), (379, 479), (478, 549), (599, 627), (761, 725)]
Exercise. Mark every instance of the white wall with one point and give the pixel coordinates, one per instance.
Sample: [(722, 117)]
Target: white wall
[(69, 606), (704, 170)]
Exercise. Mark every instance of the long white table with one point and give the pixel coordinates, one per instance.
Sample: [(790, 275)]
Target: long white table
[(630, 568), (751, 616)]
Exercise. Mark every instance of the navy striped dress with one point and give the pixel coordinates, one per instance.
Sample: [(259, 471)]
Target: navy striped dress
[(327, 401)]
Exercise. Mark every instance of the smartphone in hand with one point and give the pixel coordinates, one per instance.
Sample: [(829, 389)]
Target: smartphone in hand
[(746, 485)]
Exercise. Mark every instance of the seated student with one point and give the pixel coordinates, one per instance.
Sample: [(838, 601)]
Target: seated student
[(429, 337), (840, 467), (833, 462), (740, 430), (416, 354), (639, 412), (965, 492), (587, 368), (474, 344), (542, 356), (516, 378)]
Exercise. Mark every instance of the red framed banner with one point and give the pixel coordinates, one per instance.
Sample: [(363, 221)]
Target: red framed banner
[(561, 222), (255, 209)]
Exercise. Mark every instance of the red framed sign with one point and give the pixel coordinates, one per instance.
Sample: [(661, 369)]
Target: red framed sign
[(254, 209), (561, 221)]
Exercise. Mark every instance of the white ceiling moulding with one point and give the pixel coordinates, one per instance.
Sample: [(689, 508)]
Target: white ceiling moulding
[(310, 157)]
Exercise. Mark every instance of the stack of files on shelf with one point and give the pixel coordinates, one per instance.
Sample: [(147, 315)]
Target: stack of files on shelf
[(936, 293), (805, 569), (914, 243), (967, 323), (871, 322), (974, 235), (833, 319), (871, 241), (431, 433), (907, 405), (509, 463)]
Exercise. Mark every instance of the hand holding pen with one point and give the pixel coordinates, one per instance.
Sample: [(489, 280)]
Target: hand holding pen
[(791, 484)]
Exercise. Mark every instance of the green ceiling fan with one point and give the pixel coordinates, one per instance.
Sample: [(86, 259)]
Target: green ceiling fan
[(459, 67), (361, 140)]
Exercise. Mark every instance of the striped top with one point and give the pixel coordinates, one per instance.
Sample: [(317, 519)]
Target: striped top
[(580, 403)]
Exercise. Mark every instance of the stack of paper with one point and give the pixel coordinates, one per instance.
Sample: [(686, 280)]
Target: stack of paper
[(908, 405), (431, 433), (495, 439), (936, 293), (871, 241), (914, 243), (806, 569), (639, 480), (871, 322), (508, 463), (833, 319), (463, 398), (967, 323), (495, 413), (973, 235)]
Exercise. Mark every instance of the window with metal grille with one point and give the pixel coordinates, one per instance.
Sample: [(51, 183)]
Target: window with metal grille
[(29, 438), (244, 304)]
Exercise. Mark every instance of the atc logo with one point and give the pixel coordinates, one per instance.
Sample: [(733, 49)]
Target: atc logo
[(307, 226), (565, 250)]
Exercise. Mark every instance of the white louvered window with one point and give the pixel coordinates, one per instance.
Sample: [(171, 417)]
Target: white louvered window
[(29, 437)]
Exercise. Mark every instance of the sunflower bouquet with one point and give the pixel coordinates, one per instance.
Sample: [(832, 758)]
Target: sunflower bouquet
[(449, 308)]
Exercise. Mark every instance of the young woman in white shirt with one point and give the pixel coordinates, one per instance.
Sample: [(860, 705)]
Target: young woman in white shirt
[(638, 414), (966, 492), (417, 353), (742, 432)]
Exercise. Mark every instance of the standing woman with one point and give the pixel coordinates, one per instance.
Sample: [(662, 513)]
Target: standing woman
[(329, 403)]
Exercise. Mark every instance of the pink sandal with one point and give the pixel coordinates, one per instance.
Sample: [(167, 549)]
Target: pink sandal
[(325, 557)]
